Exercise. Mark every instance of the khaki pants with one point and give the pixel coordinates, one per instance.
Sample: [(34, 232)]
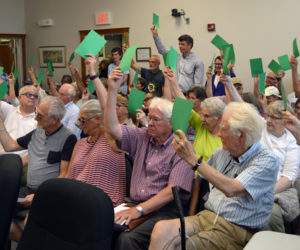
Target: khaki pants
[(224, 234)]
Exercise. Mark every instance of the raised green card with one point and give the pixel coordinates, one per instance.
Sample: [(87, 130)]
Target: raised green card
[(3, 89), (135, 80), (12, 66), (262, 83), (50, 68), (40, 77), (284, 62), (219, 42), (31, 59), (1, 71), (227, 52), (274, 66), (256, 66), (16, 75), (135, 101), (91, 87), (127, 58), (295, 48), (72, 57), (181, 113), (91, 44), (156, 20)]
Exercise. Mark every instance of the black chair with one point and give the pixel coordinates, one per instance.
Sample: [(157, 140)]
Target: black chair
[(10, 179), (67, 214)]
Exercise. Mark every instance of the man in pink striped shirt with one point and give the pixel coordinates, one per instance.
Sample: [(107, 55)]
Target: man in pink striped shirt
[(156, 167)]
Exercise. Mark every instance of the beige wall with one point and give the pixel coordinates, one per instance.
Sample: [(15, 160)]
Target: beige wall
[(12, 17), (257, 28)]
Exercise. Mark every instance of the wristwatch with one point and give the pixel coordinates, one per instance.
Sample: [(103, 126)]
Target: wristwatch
[(198, 163), (140, 209)]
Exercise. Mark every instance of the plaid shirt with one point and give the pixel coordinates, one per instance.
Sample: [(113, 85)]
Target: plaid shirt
[(154, 166)]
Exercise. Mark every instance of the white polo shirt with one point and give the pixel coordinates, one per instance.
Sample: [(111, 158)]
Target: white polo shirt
[(16, 124)]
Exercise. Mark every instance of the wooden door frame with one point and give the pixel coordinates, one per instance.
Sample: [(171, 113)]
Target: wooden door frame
[(22, 37), (83, 33)]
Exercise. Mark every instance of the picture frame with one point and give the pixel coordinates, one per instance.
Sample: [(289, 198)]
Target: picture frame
[(143, 54), (57, 54)]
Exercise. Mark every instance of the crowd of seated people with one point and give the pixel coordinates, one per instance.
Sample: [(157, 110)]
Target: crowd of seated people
[(244, 146)]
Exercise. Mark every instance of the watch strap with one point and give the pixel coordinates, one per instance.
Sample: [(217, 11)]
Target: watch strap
[(198, 163)]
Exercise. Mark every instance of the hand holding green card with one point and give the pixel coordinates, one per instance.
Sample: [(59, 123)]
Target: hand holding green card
[(91, 44), (295, 48), (135, 101), (181, 114), (91, 87), (284, 62), (72, 57), (16, 75), (256, 66), (219, 42), (262, 83), (229, 56), (274, 66), (40, 77), (156, 20), (127, 58), (50, 68)]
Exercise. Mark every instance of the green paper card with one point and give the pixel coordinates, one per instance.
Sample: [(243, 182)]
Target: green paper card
[(283, 95), (127, 58), (274, 66), (1, 71), (231, 53), (181, 114), (219, 42), (40, 77), (295, 48), (212, 62), (31, 60), (127, 38), (256, 66), (12, 66), (135, 101), (72, 57), (156, 20), (16, 75), (3, 89), (284, 62), (91, 87), (227, 53), (262, 83), (135, 80), (50, 68), (91, 44), (170, 58)]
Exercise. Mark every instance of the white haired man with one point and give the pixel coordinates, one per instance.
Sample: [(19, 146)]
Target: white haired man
[(67, 93), (242, 174), (19, 121), (156, 167)]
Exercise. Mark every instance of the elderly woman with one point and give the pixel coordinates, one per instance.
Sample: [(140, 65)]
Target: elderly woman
[(94, 160), (284, 145)]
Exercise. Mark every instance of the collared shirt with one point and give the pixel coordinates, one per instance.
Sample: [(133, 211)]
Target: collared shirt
[(154, 166), (71, 117), (257, 171), (189, 70), (16, 124)]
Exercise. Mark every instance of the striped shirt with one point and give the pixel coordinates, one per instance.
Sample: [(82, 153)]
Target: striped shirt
[(257, 171), (154, 166), (97, 164)]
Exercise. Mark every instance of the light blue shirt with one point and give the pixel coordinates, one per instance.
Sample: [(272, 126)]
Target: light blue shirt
[(189, 70), (71, 117), (123, 87), (257, 171)]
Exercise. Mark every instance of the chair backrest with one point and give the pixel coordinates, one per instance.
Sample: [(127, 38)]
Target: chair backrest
[(68, 214), (10, 179)]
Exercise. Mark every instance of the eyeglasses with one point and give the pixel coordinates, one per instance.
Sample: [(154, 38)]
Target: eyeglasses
[(271, 78), (147, 99), (273, 117), (82, 121), (29, 95), (219, 64)]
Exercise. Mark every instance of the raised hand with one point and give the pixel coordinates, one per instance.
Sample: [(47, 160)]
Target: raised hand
[(91, 62), (154, 30)]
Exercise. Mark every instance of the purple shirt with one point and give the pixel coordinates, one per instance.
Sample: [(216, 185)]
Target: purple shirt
[(154, 166)]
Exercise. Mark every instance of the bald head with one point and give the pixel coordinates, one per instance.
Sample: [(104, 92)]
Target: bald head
[(67, 93), (154, 62), (271, 80)]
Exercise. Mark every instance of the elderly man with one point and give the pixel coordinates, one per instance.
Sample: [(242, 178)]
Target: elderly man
[(153, 76), (156, 167), (19, 121), (242, 174), (190, 69), (49, 146), (67, 93)]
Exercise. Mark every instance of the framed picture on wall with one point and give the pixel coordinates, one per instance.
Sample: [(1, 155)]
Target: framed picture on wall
[(57, 54), (143, 54)]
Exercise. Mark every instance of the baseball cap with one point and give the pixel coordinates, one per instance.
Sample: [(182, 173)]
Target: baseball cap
[(272, 91)]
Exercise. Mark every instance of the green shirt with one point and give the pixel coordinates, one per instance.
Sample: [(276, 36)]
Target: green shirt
[(205, 143)]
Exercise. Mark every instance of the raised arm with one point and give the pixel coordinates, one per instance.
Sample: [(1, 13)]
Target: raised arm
[(292, 124), (99, 86), (167, 91), (295, 77), (12, 92), (51, 84), (231, 90), (208, 88), (175, 90), (256, 86), (159, 45), (111, 123), (135, 66), (32, 75)]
